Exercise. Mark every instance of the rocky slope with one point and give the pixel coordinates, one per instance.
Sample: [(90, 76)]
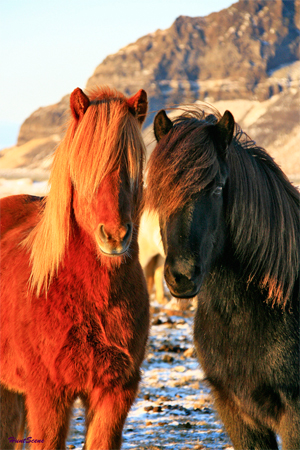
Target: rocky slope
[(249, 51), (223, 56), (45, 122)]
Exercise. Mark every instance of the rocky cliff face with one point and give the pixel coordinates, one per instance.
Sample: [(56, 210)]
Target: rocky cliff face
[(45, 122), (225, 55), (233, 54)]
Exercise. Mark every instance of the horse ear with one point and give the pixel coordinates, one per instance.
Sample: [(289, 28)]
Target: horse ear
[(79, 103), (162, 125), (138, 105), (225, 128)]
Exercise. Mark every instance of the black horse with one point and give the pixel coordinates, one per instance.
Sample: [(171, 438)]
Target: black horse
[(229, 222)]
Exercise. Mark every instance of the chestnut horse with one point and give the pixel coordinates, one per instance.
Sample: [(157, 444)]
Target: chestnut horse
[(229, 221), (74, 302)]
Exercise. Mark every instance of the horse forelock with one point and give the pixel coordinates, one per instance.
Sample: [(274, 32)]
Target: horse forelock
[(183, 163), (107, 136)]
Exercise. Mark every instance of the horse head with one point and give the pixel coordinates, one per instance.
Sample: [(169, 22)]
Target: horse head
[(193, 229), (109, 215), (96, 182)]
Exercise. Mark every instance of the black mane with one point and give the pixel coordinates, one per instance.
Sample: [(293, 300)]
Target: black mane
[(263, 217)]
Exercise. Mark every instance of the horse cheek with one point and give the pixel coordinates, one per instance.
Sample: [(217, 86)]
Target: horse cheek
[(86, 217)]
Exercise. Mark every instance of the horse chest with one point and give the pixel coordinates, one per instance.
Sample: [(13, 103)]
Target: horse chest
[(92, 355), (240, 344), (231, 338), (78, 343)]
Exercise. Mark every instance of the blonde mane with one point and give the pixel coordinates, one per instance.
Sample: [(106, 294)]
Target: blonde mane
[(91, 149)]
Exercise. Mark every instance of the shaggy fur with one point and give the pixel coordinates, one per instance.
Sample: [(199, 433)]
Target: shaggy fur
[(230, 227), (74, 321)]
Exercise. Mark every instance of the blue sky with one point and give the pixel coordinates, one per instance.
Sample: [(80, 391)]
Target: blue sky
[(50, 47)]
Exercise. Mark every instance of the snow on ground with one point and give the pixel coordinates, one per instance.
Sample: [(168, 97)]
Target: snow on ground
[(174, 408)]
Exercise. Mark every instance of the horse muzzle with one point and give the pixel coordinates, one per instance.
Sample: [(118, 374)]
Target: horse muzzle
[(114, 243), (183, 280)]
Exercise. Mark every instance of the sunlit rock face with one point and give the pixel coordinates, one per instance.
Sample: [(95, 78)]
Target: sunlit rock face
[(226, 55)]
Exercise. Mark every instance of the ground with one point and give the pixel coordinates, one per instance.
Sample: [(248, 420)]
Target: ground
[(174, 409)]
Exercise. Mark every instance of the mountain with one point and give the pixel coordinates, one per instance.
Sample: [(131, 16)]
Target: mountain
[(249, 51), (226, 55)]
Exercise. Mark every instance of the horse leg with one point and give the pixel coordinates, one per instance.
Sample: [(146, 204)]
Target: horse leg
[(159, 281), (106, 414), (149, 273), (19, 445), (244, 433), (48, 418), (289, 429), (12, 413)]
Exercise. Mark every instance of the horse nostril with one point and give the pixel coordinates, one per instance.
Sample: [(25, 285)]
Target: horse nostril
[(122, 235), (174, 277), (102, 233), (128, 231), (169, 275)]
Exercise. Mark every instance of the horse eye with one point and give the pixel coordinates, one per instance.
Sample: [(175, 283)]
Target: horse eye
[(218, 190)]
